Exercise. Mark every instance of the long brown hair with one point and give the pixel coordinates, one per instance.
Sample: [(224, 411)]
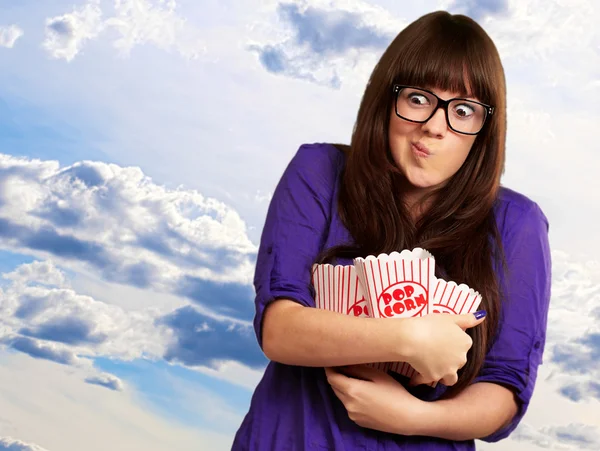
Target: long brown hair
[(448, 52)]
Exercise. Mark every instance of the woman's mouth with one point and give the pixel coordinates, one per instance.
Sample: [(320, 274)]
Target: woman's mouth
[(420, 150)]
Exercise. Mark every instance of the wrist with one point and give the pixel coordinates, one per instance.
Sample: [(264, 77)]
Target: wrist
[(401, 346), (428, 416), (423, 414), (437, 417)]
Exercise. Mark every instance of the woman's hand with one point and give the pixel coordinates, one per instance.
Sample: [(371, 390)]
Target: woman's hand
[(376, 400), (438, 346)]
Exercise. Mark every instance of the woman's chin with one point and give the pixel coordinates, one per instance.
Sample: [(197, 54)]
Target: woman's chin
[(421, 184)]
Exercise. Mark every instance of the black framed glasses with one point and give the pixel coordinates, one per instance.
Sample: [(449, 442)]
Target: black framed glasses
[(418, 105)]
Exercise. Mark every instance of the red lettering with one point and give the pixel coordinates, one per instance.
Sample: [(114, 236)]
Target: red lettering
[(387, 298), (404, 297), (421, 300), (398, 294), (398, 308)]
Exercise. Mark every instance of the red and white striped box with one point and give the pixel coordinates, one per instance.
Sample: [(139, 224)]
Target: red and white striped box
[(338, 289), (397, 285), (448, 297)]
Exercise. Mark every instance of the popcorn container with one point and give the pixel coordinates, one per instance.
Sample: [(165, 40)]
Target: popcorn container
[(398, 284)]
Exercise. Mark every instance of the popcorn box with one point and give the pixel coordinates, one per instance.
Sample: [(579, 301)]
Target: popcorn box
[(448, 297), (338, 289), (398, 284)]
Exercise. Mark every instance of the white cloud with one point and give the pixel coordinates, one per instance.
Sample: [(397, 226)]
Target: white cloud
[(121, 223), (106, 380), (59, 324), (562, 41), (95, 218), (9, 35), (574, 328), (66, 34), (37, 272), (319, 41), (261, 197), (12, 444), (568, 437), (157, 23), (135, 22), (549, 27), (235, 373)]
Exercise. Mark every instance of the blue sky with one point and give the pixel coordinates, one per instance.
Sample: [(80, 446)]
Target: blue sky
[(140, 142)]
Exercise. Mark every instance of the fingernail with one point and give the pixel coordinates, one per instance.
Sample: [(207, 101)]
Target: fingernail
[(479, 314)]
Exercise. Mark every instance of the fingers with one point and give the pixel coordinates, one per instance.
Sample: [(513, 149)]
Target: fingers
[(450, 379), (346, 379), (332, 375), (419, 379), (336, 379), (468, 320), (339, 394)]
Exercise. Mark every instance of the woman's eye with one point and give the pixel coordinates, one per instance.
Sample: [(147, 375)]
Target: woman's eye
[(418, 99), (464, 110)]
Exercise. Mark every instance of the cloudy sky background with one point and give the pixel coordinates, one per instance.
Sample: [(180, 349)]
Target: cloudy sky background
[(140, 141)]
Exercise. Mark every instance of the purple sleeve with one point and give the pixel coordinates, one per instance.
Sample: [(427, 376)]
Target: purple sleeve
[(517, 351), (295, 229)]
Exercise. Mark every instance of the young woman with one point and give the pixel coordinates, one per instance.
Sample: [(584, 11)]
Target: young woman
[(422, 170)]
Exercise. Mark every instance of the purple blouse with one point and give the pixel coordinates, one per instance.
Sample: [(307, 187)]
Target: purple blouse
[(293, 407)]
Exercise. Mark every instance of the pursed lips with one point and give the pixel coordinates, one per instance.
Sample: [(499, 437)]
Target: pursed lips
[(421, 148)]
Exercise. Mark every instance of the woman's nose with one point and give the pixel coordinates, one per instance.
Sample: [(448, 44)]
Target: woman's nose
[(437, 125)]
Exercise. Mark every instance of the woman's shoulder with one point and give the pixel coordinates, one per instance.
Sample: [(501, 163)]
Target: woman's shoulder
[(515, 209), (317, 163), (319, 155)]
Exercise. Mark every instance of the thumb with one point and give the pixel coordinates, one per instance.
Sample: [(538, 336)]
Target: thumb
[(468, 320)]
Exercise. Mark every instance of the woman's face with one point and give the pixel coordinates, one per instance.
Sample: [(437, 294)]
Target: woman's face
[(445, 153)]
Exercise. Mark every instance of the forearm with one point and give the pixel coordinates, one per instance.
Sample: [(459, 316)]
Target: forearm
[(298, 335), (478, 411)]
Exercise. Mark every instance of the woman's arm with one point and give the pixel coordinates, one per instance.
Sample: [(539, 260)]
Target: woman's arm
[(375, 400), (478, 411), (296, 335), (435, 345)]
